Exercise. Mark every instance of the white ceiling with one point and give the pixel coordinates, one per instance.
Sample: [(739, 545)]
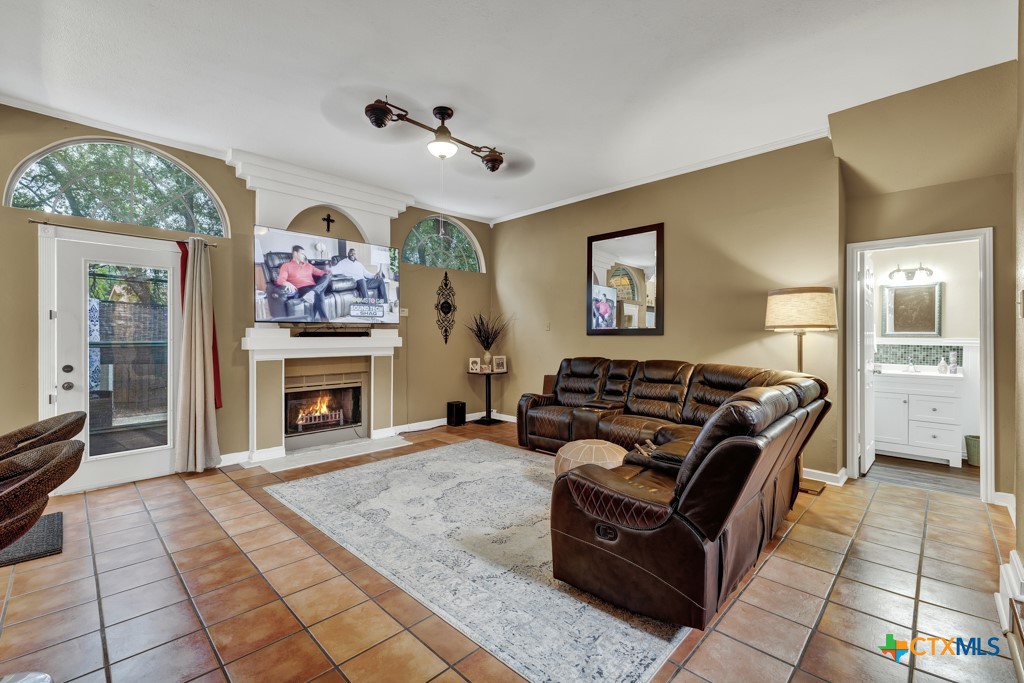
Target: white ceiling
[(583, 96)]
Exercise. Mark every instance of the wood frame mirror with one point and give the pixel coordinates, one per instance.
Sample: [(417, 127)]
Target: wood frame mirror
[(625, 282)]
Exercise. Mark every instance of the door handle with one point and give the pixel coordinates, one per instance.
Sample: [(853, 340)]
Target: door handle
[(67, 386)]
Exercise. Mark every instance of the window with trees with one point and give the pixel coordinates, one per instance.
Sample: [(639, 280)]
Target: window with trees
[(440, 243), (119, 182)]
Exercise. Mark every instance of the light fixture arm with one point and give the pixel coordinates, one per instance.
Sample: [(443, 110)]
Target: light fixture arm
[(382, 112)]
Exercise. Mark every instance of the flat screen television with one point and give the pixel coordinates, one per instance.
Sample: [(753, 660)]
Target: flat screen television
[(310, 279)]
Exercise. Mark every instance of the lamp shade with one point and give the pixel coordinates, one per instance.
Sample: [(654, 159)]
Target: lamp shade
[(801, 308)]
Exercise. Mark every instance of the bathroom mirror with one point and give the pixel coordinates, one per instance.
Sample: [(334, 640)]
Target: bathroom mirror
[(914, 311), (625, 284)]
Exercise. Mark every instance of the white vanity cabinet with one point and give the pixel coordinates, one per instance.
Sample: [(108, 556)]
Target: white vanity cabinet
[(920, 415)]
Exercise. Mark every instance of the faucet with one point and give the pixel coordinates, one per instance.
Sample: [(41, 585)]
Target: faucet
[(911, 367)]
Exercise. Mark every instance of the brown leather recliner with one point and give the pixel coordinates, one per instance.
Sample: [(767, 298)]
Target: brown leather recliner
[(545, 421), (670, 535)]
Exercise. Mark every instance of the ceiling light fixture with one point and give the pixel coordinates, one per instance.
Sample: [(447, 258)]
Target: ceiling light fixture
[(909, 273), (381, 112)]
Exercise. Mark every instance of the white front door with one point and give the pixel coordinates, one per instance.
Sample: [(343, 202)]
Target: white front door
[(867, 363), (113, 339)]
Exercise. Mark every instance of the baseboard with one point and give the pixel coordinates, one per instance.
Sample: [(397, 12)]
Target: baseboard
[(837, 479), (382, 433), (1009, 501), (1011, 584), (268, 453), (440, 422), (233, 458)]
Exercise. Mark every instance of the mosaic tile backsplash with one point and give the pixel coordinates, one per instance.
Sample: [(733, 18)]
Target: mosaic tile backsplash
[(901, 354)]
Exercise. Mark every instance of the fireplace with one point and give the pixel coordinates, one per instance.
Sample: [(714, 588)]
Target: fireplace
[(307, 411)]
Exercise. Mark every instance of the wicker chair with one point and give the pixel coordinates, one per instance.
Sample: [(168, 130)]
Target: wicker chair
[(26, 481), (50, 430)]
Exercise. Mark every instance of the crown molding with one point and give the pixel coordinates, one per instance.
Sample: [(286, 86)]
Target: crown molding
[(452, 214), (109, 127), (263, 173), (682, 170)]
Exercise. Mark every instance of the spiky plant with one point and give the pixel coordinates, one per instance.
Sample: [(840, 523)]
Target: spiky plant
[(488, 331)]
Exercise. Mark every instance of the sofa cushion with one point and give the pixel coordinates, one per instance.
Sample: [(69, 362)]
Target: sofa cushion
[(745, 413), (659, 389), (620, 375), (580, 380), (552, 422), (629, 430), (712, 384)]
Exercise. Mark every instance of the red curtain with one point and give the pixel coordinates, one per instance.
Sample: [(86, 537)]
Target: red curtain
[(218, 401)]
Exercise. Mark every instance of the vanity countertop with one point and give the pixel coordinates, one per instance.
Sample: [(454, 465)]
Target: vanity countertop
[(924, 371)]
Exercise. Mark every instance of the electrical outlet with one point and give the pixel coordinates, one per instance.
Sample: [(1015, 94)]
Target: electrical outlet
[(403, 312), (547, 326)]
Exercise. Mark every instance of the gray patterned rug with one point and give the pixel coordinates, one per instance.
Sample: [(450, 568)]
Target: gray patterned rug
[(464, 529)]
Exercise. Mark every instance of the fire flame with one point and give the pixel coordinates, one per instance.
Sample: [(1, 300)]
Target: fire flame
[(320, 407)]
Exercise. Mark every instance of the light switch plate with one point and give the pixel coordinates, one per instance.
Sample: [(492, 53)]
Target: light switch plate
[(403, 312)]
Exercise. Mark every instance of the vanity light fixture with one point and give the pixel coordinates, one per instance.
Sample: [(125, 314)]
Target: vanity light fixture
[(444, 145), (909, 273)]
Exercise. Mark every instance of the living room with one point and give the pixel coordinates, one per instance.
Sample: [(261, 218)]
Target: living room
[(932, 150)]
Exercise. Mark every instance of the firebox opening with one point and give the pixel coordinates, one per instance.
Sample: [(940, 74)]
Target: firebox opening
[(318, 410)]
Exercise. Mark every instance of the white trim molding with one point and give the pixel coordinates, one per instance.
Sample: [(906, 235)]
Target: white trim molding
[(985, 342), (283, 190), (1011, 584), (836, 479)]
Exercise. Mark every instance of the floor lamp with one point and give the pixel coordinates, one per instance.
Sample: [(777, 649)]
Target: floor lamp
[(799, 309)]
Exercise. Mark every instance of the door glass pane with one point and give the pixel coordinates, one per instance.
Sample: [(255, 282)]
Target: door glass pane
[(128, 381)]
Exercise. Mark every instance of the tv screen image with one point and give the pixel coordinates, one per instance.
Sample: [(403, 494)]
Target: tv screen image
[(311, 279)]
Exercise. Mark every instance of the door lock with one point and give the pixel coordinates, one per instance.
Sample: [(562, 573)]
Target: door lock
[(67, 386), (67, 368)]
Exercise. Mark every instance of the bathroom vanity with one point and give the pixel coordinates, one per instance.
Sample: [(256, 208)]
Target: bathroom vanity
[(920, 414)]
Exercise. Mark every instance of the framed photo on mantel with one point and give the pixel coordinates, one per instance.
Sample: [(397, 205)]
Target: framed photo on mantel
[(474, 365), (499, 364)]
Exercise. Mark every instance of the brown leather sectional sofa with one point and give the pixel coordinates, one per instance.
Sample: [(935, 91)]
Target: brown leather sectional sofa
[(671, 534)]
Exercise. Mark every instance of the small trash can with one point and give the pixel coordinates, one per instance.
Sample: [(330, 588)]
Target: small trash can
[(973, 442), (456, 413)]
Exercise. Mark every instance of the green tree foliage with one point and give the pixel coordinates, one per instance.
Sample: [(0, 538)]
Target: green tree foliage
[(440, 244), (128, 284), (118, 182)]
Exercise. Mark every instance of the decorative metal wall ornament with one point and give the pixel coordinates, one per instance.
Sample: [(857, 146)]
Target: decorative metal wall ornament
[(445, 307)]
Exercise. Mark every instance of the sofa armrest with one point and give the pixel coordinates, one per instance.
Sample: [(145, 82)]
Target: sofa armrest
[(586, 419), (614, 497), (527, 403), (657, 460)]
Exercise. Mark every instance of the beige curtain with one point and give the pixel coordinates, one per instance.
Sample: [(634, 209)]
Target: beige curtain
[(196, 443)]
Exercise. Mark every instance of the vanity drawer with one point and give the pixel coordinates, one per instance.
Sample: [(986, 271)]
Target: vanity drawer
[(938, 436), (937, 409)]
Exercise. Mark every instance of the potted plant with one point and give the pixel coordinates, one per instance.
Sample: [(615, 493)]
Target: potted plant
[(487, 332)]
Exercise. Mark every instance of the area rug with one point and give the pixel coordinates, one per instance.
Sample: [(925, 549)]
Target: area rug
[(465, 530)]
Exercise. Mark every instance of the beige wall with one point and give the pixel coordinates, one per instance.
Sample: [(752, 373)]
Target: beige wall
[(955, 265), (22, 134), (428, 372), (732, 233), (978, 203)]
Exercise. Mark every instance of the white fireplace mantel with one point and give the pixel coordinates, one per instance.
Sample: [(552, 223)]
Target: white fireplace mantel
[(277, 344)]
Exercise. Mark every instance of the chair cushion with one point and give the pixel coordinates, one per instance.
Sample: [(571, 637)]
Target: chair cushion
[(552, 422)]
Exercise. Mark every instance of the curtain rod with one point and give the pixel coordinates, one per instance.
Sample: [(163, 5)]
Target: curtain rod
[(115, 232)]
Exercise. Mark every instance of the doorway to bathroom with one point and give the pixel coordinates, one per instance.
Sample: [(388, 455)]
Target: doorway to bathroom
[(920, 380)]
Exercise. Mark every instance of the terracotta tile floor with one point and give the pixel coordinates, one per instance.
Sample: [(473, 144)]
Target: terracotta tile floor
[(209, 578)]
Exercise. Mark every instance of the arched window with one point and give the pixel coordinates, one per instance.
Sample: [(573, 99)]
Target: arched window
[(440, 243), (119, 182), (623, 281)]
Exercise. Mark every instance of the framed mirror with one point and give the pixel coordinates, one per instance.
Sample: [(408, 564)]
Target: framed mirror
[(625, 283), (912, 311)]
